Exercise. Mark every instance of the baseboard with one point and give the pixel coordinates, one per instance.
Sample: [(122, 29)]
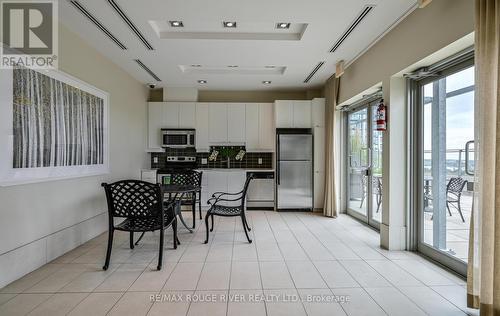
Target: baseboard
[(20, 261)]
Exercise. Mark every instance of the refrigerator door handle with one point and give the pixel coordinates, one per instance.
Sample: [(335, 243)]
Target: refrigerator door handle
[(277, 159)]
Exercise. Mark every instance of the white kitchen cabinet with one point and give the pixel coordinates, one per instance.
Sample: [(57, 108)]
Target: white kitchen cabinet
[(235, 181), (217, 117), (170, 115), (283, 113), (216, 182), (230, 181), (319, 189), (187, 115), (318, 112), (202, 127), (319, 149), (292, 114), (302, 114), (148, 175), (267, 131), (236, 122), (155, 123), (252, 126)]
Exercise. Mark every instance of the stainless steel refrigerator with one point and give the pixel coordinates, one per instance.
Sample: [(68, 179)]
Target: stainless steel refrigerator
[(294, 169)]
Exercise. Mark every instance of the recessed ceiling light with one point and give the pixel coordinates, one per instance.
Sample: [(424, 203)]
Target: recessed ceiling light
[(202, 81), (270, 66), (176, 23), (229, 24), (266, 82), (283, 25)]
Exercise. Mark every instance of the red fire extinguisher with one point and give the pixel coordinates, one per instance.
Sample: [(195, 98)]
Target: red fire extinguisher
[(381, 116)]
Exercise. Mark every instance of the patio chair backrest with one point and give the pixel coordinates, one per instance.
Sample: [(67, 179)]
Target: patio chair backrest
[(133, 199), (456, 185), (190, 177)]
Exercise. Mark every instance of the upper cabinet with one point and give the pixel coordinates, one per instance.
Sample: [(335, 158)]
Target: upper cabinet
[(318, 112), (202, 127), (236, 122), (267, 131), (170, 115), (252, 124), (217, 122), (292, 114), (260, 131), (302, 114), (283, 111), (187, 115)]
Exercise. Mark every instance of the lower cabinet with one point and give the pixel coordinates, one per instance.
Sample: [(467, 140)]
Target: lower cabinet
[(221, 181)]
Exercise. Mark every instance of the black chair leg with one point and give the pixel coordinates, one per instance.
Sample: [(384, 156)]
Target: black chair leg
[(246, 223), (160, 255), (199, 207), (131, 240), (245, 228), (140, 237), (206, 226), (212, 229), (174, 228), (448, 207), (193, 206), (460, 211), (108, 252)]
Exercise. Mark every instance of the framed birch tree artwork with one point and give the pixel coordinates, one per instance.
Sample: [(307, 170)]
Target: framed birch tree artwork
[(53, 126)]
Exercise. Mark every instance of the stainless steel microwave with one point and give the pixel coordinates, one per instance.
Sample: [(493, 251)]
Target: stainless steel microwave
[(178, 138)]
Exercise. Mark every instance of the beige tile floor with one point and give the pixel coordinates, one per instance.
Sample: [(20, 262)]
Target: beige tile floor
[(457, 232), (298, 264)]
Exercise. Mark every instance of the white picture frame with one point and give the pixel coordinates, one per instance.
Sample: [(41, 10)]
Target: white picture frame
[(16, 176)]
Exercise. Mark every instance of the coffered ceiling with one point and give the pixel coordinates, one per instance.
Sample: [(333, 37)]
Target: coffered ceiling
[(141, 36)]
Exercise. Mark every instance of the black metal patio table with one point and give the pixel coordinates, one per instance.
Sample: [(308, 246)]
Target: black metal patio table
[(177, 192)]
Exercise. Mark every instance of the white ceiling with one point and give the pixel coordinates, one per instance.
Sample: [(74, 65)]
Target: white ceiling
[(324, 22)]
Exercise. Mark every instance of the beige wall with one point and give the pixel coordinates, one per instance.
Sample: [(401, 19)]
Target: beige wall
[(419, 35), (39, 222)]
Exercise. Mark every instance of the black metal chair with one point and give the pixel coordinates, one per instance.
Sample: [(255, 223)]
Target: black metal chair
[(141, 205), (225, 210), (454, 190), (377, 190), (190, 177)]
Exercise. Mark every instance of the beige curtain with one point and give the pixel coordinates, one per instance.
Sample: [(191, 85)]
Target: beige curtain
[(332, 129), (483, 280)]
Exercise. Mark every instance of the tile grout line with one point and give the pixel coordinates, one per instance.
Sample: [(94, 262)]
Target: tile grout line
[(285, 261)]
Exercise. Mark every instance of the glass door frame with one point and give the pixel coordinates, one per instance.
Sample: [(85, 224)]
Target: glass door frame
[(416, 181), (368, 218)]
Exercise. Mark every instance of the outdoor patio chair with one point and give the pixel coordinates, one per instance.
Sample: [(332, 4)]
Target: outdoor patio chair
[(141, 206), (223, 210), (377, 190), (190, 177), (454, 191)]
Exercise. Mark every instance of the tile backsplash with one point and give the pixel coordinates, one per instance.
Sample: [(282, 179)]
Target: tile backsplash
[(249, 161)]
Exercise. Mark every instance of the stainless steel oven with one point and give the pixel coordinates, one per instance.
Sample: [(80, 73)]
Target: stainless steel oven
[(178, 138)]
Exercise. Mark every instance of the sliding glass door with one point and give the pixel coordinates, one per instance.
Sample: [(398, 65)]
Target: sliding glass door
[(445, 163), (364, 178)]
